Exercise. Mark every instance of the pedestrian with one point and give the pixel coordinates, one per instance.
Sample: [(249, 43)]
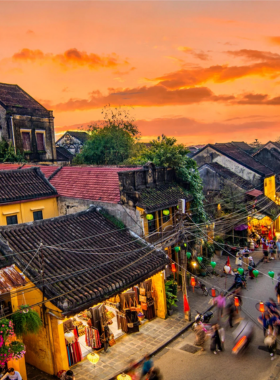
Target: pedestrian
[(132, 370), (278, 248), (12, 375), (271, 342), (231, 312), (265, 251), (155, 374), (220, 302), (147, 366), (222, 336), (215, 340), (66, 375), (264, 321), (200, 337)]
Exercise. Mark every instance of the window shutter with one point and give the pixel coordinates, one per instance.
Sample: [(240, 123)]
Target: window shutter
[(40, 141), (26, 141)]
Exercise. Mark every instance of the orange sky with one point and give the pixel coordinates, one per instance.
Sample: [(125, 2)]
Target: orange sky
[(199, 71)]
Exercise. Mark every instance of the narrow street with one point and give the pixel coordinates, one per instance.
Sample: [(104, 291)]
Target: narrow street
[(177, 363)]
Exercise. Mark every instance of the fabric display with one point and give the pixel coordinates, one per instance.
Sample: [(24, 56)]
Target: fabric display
[(92, 338), (80, 326), (74, 352), (148, 307), (132, 321)]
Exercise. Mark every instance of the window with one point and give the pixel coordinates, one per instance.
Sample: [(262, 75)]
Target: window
[(26, 141), (165, 218), (12, 219), (40, 141), (37, 215), (152, 223)]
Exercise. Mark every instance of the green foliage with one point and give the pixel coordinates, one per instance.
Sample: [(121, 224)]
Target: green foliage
[(165, 152), (219, 239), (171, 299), (110, 142), (26, 321), (115, 221), (7, 153), (210, 248)]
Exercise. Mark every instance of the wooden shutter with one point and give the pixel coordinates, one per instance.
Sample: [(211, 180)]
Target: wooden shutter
[(26, 141), (40, 141)]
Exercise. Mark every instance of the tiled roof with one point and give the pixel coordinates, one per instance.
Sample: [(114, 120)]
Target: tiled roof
[(244, 146), (7, 166), (228, 174), (242, 157), (9, 279), (254, 193), (87, 182), (63, 154), (11, 95), (267, 206), (165, 195), (82, 136), (87, 255), (45, 169), (18, 185)]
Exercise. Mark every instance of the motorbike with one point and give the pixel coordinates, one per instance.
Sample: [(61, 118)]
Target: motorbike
[(240, 281), (202, 318), (243, 335)]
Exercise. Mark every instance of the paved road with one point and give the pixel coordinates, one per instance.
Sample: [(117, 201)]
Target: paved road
[(178, 364)]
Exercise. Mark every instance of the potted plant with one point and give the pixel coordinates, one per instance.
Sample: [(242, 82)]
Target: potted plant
[(218, 249), (171, 299), (26, 320)]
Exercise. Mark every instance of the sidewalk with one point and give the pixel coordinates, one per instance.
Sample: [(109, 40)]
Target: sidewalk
[(152, 335)]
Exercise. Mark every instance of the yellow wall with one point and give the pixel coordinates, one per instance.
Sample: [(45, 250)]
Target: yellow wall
[(270, 188), (160, 296), (24, 211)]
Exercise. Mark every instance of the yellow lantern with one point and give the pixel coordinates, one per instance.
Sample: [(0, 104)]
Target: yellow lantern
[(123, 376), (93, 358)]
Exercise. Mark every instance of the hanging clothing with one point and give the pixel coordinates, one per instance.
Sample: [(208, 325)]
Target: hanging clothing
[(92, 338)]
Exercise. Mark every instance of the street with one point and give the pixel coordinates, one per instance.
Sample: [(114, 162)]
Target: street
[(177, 363)]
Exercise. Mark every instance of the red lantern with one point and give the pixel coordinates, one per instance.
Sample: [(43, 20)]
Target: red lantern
[(173, 267), (236, 301), (193, 282), (213, 292), (262, 310)]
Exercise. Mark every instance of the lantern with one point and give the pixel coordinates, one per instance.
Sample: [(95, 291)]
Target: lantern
[(173, 267), (213, 264), (240, 271), (185, 245), (93, 358), (213, 292), (271, 274), (261, 307), (193, 282), (177, 249), (227, 269), (166, 212), (255, 273), (236, 301), (150, 216), (69, 336), (199, 259), (189, 255), (123, 376)]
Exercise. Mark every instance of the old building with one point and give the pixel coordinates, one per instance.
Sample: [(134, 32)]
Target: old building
[(271, 157), (26, 124), (88, 260), (73, 141), (26, 195), (64, 156)]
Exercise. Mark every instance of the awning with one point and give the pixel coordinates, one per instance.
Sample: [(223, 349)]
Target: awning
[(254, 193), (259, 216), (241, 227)]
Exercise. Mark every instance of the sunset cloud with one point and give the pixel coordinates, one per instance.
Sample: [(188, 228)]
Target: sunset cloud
[(255, 55), (70, 59), (197, 54), (274, 40)]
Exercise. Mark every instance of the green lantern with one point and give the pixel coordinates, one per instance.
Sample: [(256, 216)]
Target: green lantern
[(240, 271), (189, 255), (177, 249), (271, 274), (150, 216), (199, 259), (213, 264), (255, 273), (166, 212), (185, 245)]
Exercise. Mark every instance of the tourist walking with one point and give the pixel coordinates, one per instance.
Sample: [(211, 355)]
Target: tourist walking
[(220, 302), (215, 345)]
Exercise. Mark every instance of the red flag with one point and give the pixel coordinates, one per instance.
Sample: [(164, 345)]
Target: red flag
[(186, 304), (228, 262)]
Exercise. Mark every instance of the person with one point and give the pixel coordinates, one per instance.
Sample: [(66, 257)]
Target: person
[(251, 267), (147, 366), (272, 250), (271, 342), (231, 312), (155, 374), (265, 251), (67, 375), (277, 288), (215, 340), (12, 375), (132, 370), (200, 337), (278, 248), (272, 307), (264, 320), (220, 302)]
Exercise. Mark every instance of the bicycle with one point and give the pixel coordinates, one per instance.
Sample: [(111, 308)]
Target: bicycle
[(200, 285)]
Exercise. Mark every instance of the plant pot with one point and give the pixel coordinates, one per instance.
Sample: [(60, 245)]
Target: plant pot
[(219, 253), (170, 312)]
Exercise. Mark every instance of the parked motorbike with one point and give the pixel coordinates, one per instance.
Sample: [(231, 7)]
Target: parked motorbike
[(242, 335), (202, 318)]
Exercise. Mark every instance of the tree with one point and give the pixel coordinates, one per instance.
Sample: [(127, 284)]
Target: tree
[(165, 152), (7, 153), (111, 141), (256, 145)]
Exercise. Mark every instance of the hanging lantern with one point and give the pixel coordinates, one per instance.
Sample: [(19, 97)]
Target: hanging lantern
[(93, 358), (69, 336), (227, 269), (166, 212), (213, 264), (255, 273), (123, 376), (240, 271), (185, 245), (199, 259), (150, 216), (189, 255), (271, 274), (177, 249), (193, 282), (173, 267), (261, 307), (213, 292), (236, 301)]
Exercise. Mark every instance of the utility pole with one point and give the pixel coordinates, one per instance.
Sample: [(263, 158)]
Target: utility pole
[(41, 253)]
